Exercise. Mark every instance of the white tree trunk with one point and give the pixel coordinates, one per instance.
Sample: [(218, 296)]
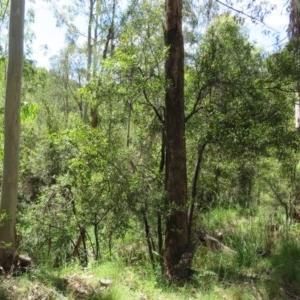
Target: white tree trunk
[(297, 114), (12, 123)]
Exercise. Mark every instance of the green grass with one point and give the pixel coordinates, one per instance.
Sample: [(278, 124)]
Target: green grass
[(286, 267), (261, 265)]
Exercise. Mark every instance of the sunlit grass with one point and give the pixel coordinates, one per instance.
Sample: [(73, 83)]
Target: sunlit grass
[(262, 265)]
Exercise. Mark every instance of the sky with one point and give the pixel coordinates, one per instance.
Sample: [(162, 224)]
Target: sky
[(277, 23), (49, 39)]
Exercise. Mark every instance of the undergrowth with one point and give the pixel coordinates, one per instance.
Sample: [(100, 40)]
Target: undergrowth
[(263, 263)]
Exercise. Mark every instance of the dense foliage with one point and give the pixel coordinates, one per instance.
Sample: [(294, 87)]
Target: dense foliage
[(91, 186)]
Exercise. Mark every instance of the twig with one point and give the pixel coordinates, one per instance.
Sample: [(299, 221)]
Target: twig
[(245, 14)]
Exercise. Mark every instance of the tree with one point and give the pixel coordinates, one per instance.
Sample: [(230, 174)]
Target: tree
[(12, 133), (234, 102), (294, 34), (294, 25), (176, 239), (101, 18)]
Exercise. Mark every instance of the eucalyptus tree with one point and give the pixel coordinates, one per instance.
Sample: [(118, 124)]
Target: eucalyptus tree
[(176, 240), (12, 134), (294, 26), (101, 21), (69, 73), (141, 60), (294, 34)]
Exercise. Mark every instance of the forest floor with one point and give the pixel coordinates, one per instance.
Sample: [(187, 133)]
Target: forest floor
[(125, 283), (260, 261)]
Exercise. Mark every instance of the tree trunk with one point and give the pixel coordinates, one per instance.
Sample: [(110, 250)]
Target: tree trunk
[(201, 148), (89, 55), (176, 239), (97, 241), (149, 240), (12, 125), (159, 208), (294, 33)]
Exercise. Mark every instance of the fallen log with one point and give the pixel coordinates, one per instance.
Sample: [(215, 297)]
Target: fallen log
[(212, 243)]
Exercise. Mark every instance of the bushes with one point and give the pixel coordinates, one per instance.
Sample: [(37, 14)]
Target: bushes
[(286, 266)]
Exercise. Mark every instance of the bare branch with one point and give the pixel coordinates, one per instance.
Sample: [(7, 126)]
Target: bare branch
[(246, 15)]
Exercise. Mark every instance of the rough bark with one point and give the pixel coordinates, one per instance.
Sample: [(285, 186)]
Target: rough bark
[(294, 24), (201, 148), (12, 129), (176, 239)]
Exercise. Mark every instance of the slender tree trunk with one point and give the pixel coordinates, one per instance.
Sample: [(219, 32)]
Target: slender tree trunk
[(12, 130), (201, 148), (159, 209), (96, 54), (149, 240), (97, 241), (128, 135), (160, 237), (294, 33), (84, 259), (89, 54), (176, 239), (9, 192), (95, 8)]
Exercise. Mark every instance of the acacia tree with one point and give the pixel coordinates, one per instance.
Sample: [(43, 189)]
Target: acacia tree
[(176, 239), (12, 132)]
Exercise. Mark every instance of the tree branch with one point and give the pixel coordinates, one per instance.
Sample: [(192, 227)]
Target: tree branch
[(246, 15)]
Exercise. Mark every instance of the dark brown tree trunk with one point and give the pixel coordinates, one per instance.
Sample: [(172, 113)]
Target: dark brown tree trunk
[(201, 148), (160, 237), (176, 239), (83, 258), (149, 240), (97, 241), (159, 209)]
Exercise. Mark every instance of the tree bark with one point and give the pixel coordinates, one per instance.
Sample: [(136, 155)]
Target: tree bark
[(176, 239), (149, 240), (294, 33), (89, 56), (159, 208), (12, 132), (201, 148)]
